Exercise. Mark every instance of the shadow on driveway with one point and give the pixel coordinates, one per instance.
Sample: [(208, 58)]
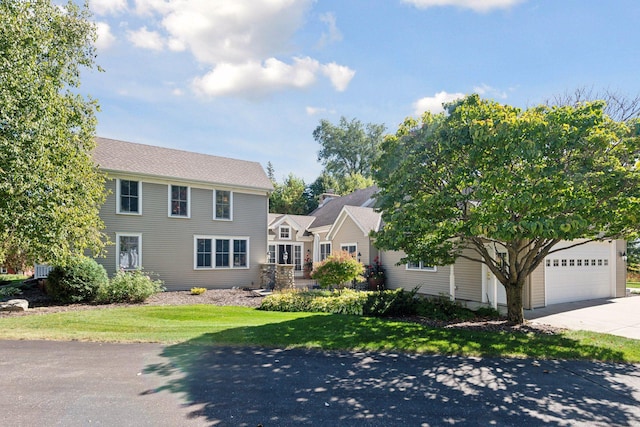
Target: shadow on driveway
[(252, 386)]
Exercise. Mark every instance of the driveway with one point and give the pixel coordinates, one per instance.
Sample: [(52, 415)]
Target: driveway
[(617, 316), (79, 384)]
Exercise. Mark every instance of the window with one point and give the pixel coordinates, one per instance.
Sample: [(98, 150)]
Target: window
[(222, 252), (325, 250), (420, 266), (563, 262), (179, 201), (3, 270), (203, 253), (222, 204), (129, 196), (548, 263), (129, 250), (271, 254), (593, 262), (599, 263), (352, 248), (606, 262), (579, 262), (556, 262), (285, 232)]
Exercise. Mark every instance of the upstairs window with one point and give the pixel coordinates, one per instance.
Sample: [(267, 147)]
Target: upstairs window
[(285, 232), (129, 196), (179, 201), (222, 204)]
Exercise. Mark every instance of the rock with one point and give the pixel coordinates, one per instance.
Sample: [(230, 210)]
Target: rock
[(14, 305)]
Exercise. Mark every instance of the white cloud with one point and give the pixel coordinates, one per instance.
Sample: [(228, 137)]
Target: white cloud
[(106, 7), (475, 5), (333, 34), (254, 79), (146, 39), (339, 75), (434, 103), (105, 37), (485, 89)]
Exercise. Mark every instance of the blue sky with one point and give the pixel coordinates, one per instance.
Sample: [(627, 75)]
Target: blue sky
[(251, 79)]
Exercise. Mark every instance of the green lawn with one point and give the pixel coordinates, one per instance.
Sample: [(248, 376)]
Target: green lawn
[(635, 285), (214, 325)]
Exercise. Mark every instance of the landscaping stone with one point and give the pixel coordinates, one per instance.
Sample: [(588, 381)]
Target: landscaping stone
[(14, 305)]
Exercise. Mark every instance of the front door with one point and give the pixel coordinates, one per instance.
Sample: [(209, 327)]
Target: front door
[(291, 255)]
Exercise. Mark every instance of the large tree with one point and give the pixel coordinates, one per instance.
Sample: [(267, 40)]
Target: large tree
[(50, 189), (289, 197), (348, 148), (484, 180)]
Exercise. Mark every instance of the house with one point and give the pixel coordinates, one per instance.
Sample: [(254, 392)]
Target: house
[(592, 270), (192, 219)]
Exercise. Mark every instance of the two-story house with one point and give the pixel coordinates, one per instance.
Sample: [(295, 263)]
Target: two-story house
[(192, 219)]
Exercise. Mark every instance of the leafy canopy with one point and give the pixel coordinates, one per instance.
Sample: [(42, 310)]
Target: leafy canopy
[(485, 174), (50, 190)]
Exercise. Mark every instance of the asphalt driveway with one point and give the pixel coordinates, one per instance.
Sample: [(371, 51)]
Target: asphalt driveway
[(617, 316), (79, 384)]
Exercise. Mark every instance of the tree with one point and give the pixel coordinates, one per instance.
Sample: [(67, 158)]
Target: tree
[(618, 106), (501, 186), (349, 147), (289, 197), (50, 189)]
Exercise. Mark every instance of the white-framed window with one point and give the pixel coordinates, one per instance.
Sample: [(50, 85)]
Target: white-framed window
[(421, 266), (221, 252), (284, 232), (129, 251), (325, 250), (352, 248), (179, 201), (223, 205), (271, 254), (129, 197), (3, 270)]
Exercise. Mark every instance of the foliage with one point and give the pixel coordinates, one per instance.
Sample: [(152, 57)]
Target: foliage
[(375, 270), (443, 308), (633, 256), (486, 178), (128, 286), (50, 189), (349, 147), (77, 281), (337, 269), (198, 291), (9, 291), (289, 197)]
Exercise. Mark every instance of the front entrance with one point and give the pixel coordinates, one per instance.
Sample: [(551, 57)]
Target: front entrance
[(291, 254)]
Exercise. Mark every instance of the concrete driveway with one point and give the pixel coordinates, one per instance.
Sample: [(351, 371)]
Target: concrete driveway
[(617, 316), (79, 384)]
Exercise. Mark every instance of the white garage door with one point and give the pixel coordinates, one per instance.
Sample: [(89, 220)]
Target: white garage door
[(578, 273)]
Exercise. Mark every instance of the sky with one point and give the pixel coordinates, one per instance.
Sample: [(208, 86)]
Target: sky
[(251, 79)]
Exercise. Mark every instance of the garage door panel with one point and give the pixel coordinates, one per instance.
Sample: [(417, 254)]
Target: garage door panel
[(578, 273)]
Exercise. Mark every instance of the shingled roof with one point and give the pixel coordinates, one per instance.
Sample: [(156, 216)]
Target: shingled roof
[(329, 211), (119, 156)]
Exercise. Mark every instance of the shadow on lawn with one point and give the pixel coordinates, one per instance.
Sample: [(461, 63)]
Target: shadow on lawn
[(238, 386)]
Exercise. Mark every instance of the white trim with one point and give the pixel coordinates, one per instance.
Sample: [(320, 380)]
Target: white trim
[(139, 254), (215, 198), (422, 267), (342, 245), (452, 283), (284, 227), (320, 249), (170, 199), (118, 207), (213, 238)]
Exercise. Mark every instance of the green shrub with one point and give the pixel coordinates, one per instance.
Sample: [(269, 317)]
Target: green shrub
[(129, 286), (198, 291), (337, 269), (487, 312), (9, 291), (78, 281), (397, 302), (442, 308)]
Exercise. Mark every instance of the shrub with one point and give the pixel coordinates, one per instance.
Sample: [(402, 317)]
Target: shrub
[(9, 291), (442, 308), (397, 302), (129, 286), (337, 269), (78, 281), (198, 291)]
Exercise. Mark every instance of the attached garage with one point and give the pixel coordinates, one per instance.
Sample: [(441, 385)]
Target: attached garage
[(581, 273)]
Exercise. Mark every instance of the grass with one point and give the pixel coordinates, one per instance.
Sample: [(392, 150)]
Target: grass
[(239, 326), (635, 285)]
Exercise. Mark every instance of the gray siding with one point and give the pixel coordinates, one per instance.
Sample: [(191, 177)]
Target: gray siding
[(468, 280), (348, 233), (429, 282), (537, 287), (168, 242)]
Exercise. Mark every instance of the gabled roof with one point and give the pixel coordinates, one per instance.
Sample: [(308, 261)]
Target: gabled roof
[(119, 156), (298, 222), (366, 219), (329, 211)]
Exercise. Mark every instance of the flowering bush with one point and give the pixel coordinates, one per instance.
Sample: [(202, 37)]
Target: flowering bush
[(129, 286), (374, 271), (198, 291)]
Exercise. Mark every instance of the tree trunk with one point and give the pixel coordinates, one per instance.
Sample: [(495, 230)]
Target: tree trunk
[(515, 311)]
